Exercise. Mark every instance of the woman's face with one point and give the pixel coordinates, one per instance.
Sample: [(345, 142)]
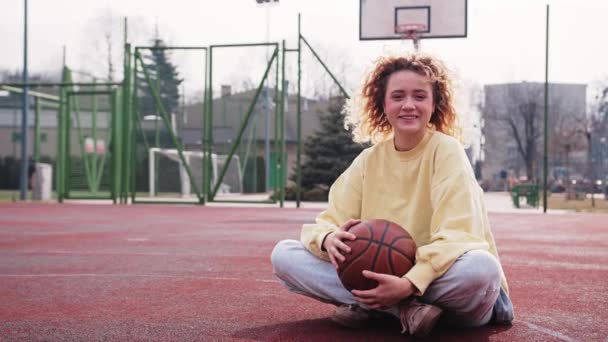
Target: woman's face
[(408, 104)]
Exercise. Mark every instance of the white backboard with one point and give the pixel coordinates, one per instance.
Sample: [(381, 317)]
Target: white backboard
[(378, 19)]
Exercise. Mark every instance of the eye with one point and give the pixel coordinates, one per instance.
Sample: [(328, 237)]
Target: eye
[(420, 97)]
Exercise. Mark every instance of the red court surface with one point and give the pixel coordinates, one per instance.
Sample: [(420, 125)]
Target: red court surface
[(186, 273)]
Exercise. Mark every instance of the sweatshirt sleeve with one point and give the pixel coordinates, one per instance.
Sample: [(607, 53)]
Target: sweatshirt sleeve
[(458, 221), (344, 204)]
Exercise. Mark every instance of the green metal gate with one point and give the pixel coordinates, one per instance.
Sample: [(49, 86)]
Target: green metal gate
[(246, 128), (90, 144), (147, 146)]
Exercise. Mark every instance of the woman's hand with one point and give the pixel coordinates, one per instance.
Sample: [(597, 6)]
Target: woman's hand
[(390, 291), (334, 244)]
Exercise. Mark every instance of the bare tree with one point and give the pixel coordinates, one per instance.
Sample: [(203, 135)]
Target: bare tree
[(568, 135), (519, 113), (103, 39), (514, 113), (470, 107), (101, 54), (597, 134)]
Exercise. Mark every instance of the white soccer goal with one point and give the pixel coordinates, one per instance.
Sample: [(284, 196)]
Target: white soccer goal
[(231, 184)]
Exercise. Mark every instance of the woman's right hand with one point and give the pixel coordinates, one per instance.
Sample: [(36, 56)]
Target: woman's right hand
[(334, 244)]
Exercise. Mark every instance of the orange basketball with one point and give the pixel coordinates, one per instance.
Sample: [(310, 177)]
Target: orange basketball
[(382, 247)]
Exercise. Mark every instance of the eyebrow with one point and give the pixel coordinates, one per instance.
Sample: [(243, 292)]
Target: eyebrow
[(397, 91)]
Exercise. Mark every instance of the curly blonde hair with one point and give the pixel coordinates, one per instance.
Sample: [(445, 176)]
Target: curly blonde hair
[(366, 114)]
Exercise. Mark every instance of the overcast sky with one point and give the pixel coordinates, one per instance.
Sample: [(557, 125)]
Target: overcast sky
[(505, 40)]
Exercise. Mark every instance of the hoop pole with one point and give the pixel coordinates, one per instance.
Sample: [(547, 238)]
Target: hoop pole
[(412, 31), (546, 137)]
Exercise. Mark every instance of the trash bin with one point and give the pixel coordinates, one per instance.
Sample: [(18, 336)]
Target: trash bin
[(42, 188)]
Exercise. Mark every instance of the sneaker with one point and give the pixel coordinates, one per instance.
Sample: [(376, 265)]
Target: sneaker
[(418, 319), (352, 316)]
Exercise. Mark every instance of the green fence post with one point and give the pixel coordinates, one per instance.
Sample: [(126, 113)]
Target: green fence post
[(116, 146), (277, 142), (134, 112), (282, 131), (59, 161), (205, 138), (299, 119), (36, 130), (209, 126), (126, 124), (94, 175)]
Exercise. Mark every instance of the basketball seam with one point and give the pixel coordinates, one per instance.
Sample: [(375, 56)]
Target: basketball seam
[(379, 249), (352, 259), (390, 247), (399, 251), (383, 244), (379, 244)]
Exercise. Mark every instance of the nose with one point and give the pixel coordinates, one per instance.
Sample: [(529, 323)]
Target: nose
[(408, 104)]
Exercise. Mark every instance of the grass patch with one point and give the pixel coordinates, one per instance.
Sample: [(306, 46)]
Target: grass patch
[(9, 195), (558, 201)]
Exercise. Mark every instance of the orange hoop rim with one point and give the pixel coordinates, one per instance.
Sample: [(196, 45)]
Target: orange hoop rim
[(410, 31)]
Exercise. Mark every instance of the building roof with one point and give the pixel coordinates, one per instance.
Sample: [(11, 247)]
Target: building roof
[(48, 119), (229, 112)]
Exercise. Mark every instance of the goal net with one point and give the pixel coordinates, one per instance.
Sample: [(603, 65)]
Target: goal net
[(163, 159)]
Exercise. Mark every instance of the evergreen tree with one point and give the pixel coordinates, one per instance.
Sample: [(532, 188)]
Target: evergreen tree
[(328, 152), (166, 78)]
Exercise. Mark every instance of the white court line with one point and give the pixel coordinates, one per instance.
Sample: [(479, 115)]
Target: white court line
[(548, 331), (538, 263), (75, 275), (107, 253)]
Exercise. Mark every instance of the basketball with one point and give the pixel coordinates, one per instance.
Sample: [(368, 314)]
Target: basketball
[(382, 247)]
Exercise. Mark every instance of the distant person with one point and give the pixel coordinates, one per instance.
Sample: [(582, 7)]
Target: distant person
[(417, 175)]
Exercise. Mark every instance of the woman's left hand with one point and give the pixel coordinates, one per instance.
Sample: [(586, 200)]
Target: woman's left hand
[(390, 291)]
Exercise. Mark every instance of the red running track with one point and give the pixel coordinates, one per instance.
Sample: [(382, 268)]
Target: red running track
[(189, 273)]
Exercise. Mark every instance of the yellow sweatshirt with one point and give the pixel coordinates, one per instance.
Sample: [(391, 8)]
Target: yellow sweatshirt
[(430, 190)]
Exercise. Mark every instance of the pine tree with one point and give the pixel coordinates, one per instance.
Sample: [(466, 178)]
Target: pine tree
[(328, 152), (165, 74)]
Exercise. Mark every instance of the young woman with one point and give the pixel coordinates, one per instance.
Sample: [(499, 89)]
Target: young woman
[(417, 175)]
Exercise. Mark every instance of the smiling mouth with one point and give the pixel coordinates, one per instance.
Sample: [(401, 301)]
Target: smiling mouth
[(408, 117)]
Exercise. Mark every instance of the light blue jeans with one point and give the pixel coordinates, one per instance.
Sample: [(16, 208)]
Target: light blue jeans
[(469, 292)]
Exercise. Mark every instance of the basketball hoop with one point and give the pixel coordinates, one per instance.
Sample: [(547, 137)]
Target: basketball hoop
[(411, 31)]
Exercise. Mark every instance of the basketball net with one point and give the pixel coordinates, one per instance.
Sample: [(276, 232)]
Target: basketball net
[(412, 32)]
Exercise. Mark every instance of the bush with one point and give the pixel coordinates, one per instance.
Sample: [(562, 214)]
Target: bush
[(319, 193), (316, 195)]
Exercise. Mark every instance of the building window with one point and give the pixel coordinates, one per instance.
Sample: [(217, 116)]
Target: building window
[(16, 137)]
